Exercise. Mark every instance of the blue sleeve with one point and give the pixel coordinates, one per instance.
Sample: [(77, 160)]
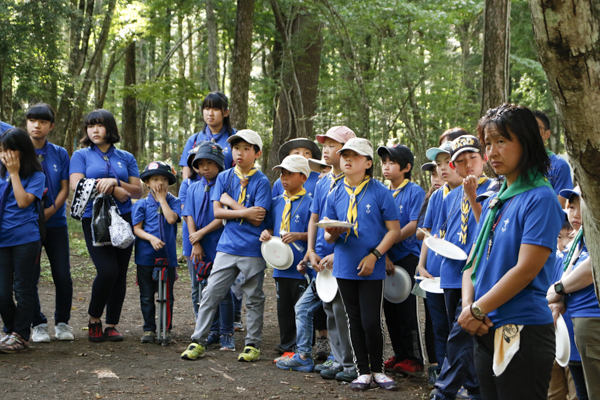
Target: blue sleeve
[(416, 200), (388, 209), (78, 163), (217, 191), (139, 212), (314, 206), (186, 151), (263, 194), (277, 188), (36, 185), (430, 212), (543, 220), (270, 218), (188, 207), (132, 166), (183, 189), (562, 179), (228, 162), (329, 209), (64, 164), (175, 205)]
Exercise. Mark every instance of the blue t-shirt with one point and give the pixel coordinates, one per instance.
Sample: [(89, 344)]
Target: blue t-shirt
[(144, 210), (583, 303), (193, 206), (4, 126), (185, 234), (434, 260), (560, 174), (375, 206), (20, 225), (240, 237), (450, 270), (57, 162), (309, 185), (322, 248), (408, 203), (206, 135), (558, 273), (89, 163), (533, 217), (299, 217)]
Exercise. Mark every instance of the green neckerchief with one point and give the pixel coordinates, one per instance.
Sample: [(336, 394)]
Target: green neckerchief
[(576, 241), (518, 187), (548, 152)]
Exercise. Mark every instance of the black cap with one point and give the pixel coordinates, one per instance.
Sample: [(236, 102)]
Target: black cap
[(429, 166), (192, 155), (464, 143), (210, 151), (159, 168), (398, 152), (290, 145)]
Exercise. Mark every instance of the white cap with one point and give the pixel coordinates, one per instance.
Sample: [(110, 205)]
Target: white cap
[(248, 136), (360, 146), (294, 163), (316, 165)]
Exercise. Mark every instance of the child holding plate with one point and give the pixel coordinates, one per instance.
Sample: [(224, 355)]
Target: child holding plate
[(359, 263)]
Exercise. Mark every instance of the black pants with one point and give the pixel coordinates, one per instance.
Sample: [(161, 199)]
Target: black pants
[(320, 319), (402, 321), (289, 291), (578, 379), (527, 376), (430, 343), (110, 284), (363, 303)]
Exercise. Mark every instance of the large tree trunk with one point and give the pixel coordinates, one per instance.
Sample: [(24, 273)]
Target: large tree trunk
[(213, 49), (129, 130), (241, 64), (165, 108), (566, 33), (496, 54)]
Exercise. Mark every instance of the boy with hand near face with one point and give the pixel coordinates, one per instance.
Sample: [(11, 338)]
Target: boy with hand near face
[(305, 148)]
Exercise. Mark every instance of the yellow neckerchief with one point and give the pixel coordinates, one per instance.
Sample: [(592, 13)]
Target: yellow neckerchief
[(243, 182), (447, 189), (335, 179), (399, 189), (287, 209), (352, 204), (465, 207)]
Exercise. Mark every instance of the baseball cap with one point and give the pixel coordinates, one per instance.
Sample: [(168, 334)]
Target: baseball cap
[(248, 136), (464, 143), (295, 163), (398, 152), (316, 165), (430, 166), (360, 146), (433, 152), (159, 168), (340, 134), (567, 193), (210, 151), (290, 145)]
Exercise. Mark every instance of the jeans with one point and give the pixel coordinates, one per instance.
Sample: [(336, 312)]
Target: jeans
[(237, 308), (196, 290), (57, 250), (439, 321), (289, 291), (223, 320), (148, 286), (17, 273), (305, 308)]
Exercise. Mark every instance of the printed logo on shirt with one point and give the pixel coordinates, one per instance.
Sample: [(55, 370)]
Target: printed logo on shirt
[(368, 208), (401, 206), (297, 219), (506, 222), (55, 168), (120, 165), (226, 150)]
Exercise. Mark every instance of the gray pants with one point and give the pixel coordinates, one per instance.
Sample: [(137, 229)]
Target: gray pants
[(339, 335), (225, 270)]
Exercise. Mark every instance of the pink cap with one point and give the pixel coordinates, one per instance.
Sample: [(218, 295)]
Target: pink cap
[(340, 134)]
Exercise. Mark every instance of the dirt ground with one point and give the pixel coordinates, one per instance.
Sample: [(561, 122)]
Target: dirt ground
[(130, 370)]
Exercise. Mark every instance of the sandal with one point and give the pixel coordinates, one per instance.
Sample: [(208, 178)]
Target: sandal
[(13, 343)]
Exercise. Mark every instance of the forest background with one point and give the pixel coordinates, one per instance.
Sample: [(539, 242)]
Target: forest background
[(394, 71)]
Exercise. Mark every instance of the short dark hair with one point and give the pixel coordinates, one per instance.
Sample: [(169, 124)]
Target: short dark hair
[(520, 121), (41, 111), (566, 225), (402, 162), (237, 140), (543, 117), (451, 134), (104, 118), (370, 170), (218, 100), (18, 139)]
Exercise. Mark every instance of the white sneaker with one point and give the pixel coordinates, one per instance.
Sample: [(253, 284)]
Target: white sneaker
[(40, 334), (63, 332)]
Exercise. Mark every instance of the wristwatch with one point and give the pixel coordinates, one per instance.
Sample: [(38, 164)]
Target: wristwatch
[(559, 288), (375, 252), (477, 312)]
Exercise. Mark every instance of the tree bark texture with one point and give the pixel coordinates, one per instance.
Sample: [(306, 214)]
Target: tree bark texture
[(165, 108), (241, 64), (567, 35), (129, 129), (213, 49), (496, 54)]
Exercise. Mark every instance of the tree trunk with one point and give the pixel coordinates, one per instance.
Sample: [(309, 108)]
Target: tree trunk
[(566, 34), (165, 108), (129, 129), (496, 54), (183, 123), (213, 49), (241, 64)]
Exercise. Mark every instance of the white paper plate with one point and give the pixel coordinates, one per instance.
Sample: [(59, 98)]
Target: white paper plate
[(277, 254), (445, 248), (333, 224), (327, 286), (563, 344), (397, 287), (431, 285)]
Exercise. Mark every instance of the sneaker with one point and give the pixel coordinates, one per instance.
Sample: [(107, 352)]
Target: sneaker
[(62, 331), (323, 348), (95, 332), (227, 342), (361, 383), (390, 363), (237, 324), (213, 338), (40, 334), (463, 394), (282, 350), (326, 365), (331, 372), (346, 376), (432, 376), (296, 363), (384, 382), (286, 355), (433, 394), (13, 343), (409, 367), (148, 337), (193, 352), (112, 334), (250, 354)]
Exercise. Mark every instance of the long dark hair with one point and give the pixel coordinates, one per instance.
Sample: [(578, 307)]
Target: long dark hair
[(218, 100), (18, 139), (41, 111), (520, 121), (451, 134), (104, 118)]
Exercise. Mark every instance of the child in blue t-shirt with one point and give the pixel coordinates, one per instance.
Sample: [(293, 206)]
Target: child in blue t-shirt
[(155, 221), (359, 265), (306, 148), (55, 164), (246, 193), (21, 189), (288, 219)]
